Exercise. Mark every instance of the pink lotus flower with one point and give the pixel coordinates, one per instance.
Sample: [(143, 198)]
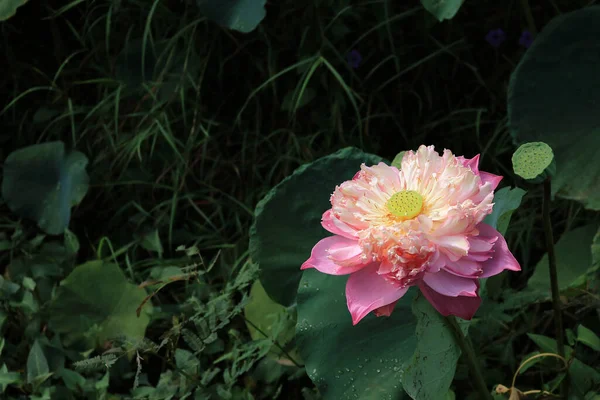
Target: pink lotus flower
[(417, 226)]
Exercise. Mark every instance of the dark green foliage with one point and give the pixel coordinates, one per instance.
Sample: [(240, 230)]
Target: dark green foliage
[(188, 117)]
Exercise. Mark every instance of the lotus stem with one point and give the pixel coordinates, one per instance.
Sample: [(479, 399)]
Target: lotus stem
[(558, 325), (469, 352)]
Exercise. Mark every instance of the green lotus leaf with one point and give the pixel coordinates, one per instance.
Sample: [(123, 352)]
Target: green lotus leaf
[(8, 8), (96, 303), (287, 220), (553, 98), (241, 15), (573, 261), (442, 9), (42, 182), (365, 361)]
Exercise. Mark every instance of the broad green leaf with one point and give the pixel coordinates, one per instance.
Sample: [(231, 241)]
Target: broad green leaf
[(71, 243), (8, 288), (72, 379), (37, 365), (583, 377), (101, 385), (95, 303), (28, 283), (573, 259), (552, 99), (42, 182), (274, 320), (7, 378), (430, 371), (397, 161), (345, 361), (442, 9), (241, 15), (548, 345), (288, 219), (587, 337), (151, 241), (8, 8), (55, 352), (506, 201)]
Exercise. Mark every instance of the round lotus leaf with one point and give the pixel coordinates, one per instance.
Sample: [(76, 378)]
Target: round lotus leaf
[(8, 8), (442, 9), (534, 161), (506, 201), (287, 221), (42, 182), (95, 303), (553, 97), (397, 161), (574, 256), (241, 15), (366, 361)]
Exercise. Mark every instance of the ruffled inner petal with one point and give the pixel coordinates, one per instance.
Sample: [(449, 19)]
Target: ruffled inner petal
[(337, 227)]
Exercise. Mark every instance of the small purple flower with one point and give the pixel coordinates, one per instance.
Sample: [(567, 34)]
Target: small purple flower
[(354, 58), (526, 39), (495, 37)]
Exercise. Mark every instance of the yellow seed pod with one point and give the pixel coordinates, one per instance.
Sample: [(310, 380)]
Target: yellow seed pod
[(406, 204), (534, 162)]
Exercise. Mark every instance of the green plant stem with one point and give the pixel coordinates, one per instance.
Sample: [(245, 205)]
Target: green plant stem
[(552, 265), (558, 325), (469, 352)]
